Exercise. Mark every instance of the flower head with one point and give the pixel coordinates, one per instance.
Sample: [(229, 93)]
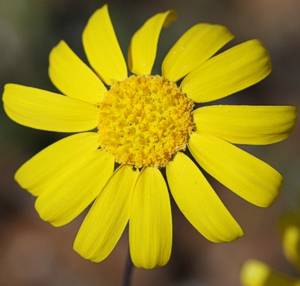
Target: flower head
[(144, 123)]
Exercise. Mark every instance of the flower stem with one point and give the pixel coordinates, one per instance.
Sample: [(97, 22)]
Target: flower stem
[(128, 272)]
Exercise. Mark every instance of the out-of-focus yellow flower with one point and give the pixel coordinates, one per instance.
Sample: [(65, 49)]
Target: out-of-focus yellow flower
[(257, 273), (290, 234), (144, 123)]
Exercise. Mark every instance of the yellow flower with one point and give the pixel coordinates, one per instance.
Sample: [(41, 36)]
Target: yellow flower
[(290, 236), (257, 273), (144, 122)]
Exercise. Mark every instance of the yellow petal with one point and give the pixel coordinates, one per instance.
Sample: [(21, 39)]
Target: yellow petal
[(40, 109), (247, 176), (106, 220), (102, 47), (150, 226), (69, 193), (143, 46), (244, 124), (199, 203), (228, 72), (48, 163), (194, 47), (257, 273), (72, 76), (290, 236)]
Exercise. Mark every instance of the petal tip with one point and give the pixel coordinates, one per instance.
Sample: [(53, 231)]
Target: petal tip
[(45, 216), (6, 90), (172, 16), (268, 202), (87, 253), (18, 177)]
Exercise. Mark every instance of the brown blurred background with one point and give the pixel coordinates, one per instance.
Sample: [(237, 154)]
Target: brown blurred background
[(34, 253)]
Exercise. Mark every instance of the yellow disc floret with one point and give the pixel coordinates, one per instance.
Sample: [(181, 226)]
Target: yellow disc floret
[(144, 121)]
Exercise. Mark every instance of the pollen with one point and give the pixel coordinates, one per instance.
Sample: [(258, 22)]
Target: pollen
[(144, 121)]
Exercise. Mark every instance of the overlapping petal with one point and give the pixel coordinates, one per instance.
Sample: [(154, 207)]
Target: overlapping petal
[(49, 163), (106, 220), (244, 124), (229, 72), (199, 203), (72, 76), (74, 188), (193, 48), (44, 110), (150, 227), (143, 46), (247, 176), (102, 48)]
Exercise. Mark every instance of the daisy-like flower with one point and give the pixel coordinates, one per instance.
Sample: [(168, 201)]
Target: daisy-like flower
[(144, 123), (258, 273)]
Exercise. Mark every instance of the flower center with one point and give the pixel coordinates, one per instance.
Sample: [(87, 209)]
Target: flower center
[(145, 120)]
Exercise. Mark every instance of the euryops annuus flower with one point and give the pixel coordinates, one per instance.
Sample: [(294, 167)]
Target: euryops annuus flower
[(144, 123), (258, 273)]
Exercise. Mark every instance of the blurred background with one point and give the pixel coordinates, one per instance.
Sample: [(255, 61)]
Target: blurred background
[(34, 253)]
